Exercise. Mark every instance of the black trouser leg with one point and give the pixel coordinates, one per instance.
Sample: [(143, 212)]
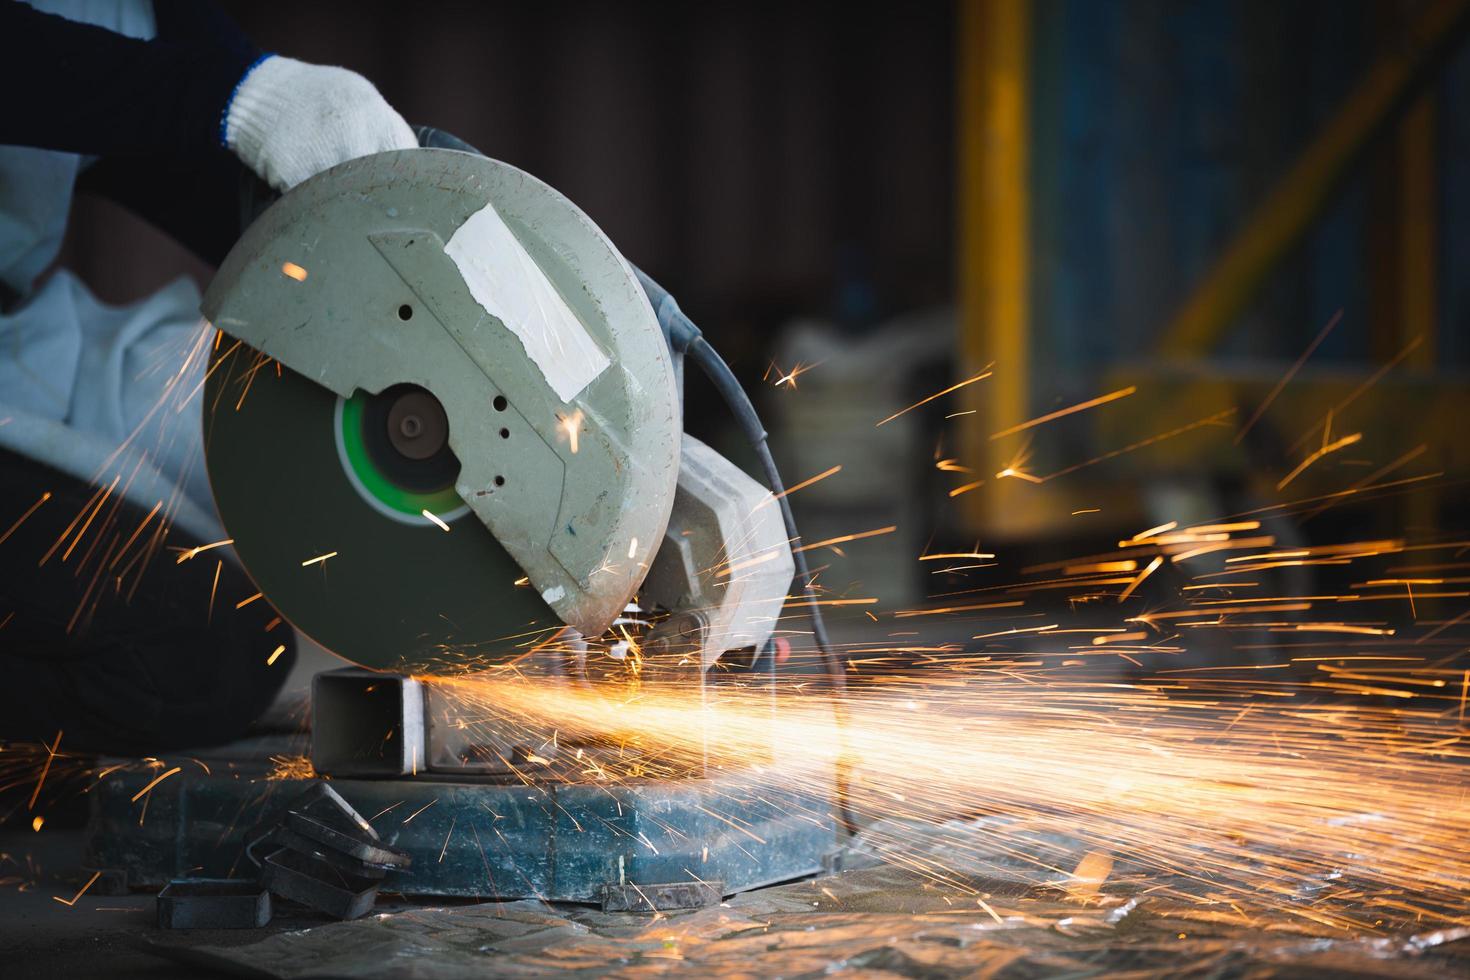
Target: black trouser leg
[(122, 664)]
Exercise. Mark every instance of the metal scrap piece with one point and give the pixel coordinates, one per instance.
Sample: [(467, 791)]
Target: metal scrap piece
[(324, 836), (311, 881), (301, 844), (213, 903), (323, 854)]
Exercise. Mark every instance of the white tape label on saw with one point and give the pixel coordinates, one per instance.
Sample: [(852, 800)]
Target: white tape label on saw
[(507, 282)]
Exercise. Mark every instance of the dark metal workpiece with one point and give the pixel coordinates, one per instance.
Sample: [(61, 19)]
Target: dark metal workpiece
[(322, 815), (311, 881), (285, 837), (321, 836), (213, 903), (366, 724), (323, 854), (662, 898)]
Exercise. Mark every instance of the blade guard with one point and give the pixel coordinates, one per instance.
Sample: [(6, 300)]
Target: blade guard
[(346, 280)]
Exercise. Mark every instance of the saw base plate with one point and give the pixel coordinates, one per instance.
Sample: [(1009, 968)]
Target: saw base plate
[(567, 842)]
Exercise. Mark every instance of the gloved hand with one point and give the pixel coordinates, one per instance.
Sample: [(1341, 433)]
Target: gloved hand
[(289, 120)]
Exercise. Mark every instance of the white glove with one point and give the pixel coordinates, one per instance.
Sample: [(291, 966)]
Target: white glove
[(288, 120)]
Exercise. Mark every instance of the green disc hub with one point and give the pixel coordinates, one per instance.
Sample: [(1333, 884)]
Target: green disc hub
[(394, 449)]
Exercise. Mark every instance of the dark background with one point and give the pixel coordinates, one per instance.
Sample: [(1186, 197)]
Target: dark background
[(782, 162)]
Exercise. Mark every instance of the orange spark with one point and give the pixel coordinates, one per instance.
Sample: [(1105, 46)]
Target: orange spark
[(843, 539), (1079, 407), (1102, 567), (319, 558), (1098, 641), (788, 378), (152, 783), (23, 517), (50, 754), (938, 394), (187, 553), (73, 901), (910, 613), (1317, 454), (831, 471), (1148, 570), (209, 615), (1011, 471), (571, 425), (1286, 378), (1215, 419), (293, 271)]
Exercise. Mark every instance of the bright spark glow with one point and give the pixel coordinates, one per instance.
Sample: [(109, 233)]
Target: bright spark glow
[(786, 378), (844, 538), (1305, 809), (435, 519), (1011, 472), (73, 900), (293, 271), (1317, 454), (154, 782), (186, 553), (571, 425)]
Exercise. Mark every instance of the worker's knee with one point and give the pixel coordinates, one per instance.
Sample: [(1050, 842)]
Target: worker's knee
[(154, 656)]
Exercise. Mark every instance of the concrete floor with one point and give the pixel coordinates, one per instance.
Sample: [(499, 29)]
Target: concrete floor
[(99, 935)]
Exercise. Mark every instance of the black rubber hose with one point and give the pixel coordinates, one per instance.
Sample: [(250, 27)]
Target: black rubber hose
[(719, 374), (686, 339)]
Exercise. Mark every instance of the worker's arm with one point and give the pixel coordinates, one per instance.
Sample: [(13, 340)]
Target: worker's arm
[(160, 115), (83, 89)]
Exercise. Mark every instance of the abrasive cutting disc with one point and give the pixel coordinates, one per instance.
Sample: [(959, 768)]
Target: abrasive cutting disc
[(299, 473)]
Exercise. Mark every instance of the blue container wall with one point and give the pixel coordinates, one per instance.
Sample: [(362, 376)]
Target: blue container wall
[(1158, 127)]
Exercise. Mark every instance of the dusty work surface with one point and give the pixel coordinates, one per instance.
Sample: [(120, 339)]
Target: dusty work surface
[(873, 919)]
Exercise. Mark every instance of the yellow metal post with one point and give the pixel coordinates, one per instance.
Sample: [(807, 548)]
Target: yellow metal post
[(1288, 210), (994, 240)]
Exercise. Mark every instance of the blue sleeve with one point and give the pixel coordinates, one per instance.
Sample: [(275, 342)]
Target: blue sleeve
[(83, 89)]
